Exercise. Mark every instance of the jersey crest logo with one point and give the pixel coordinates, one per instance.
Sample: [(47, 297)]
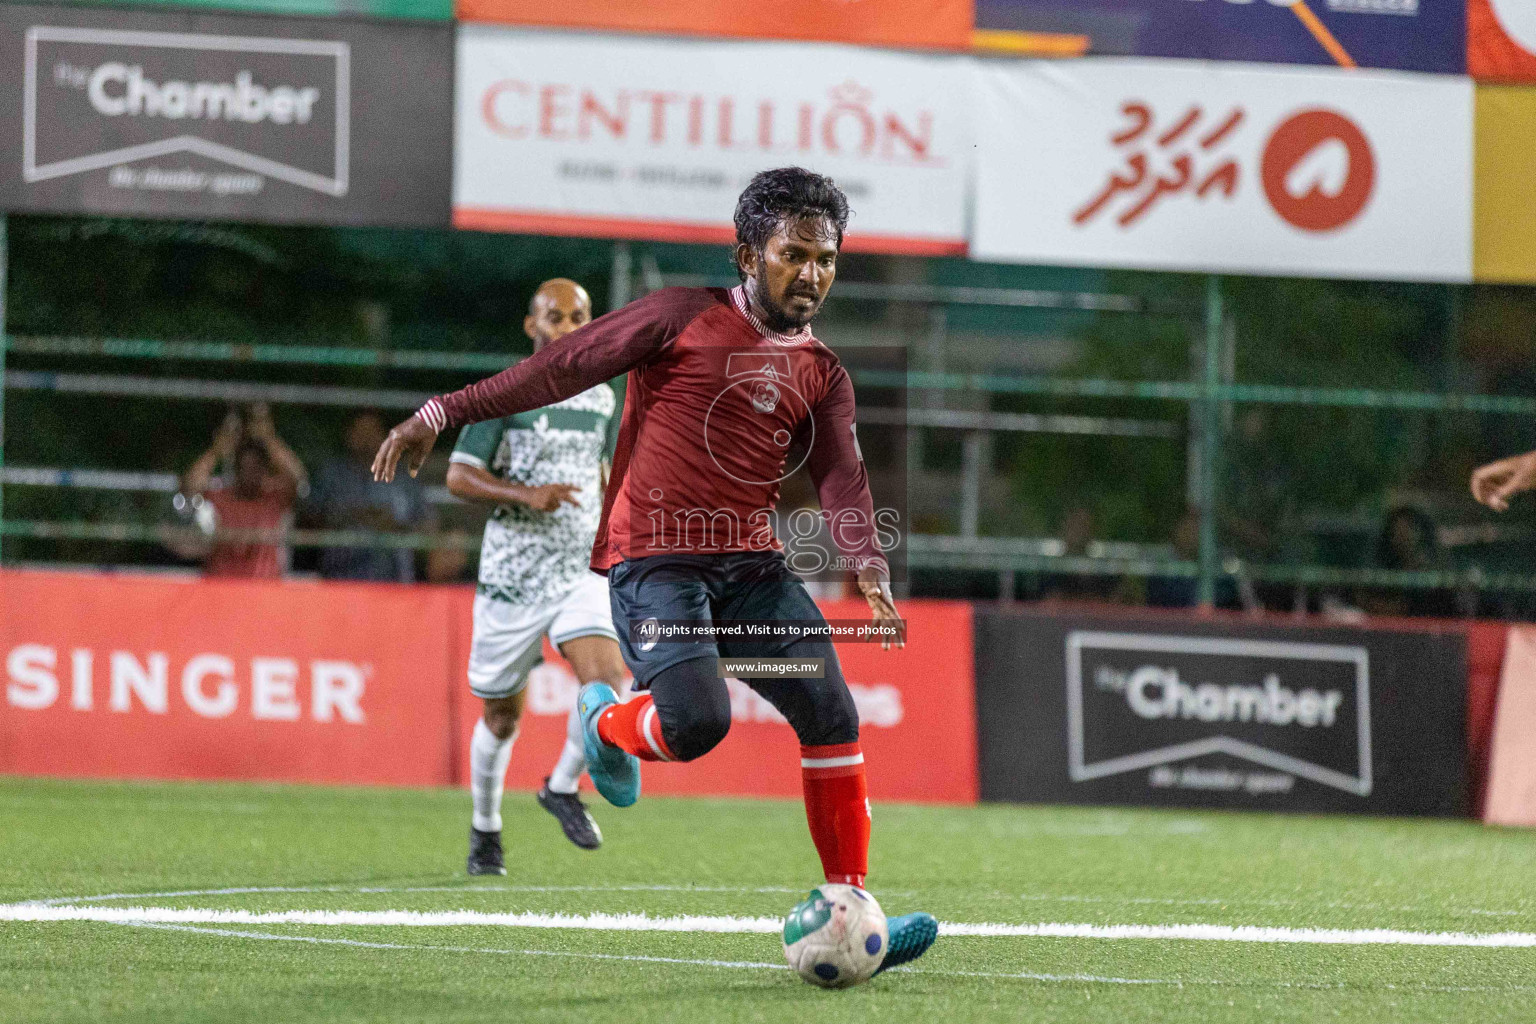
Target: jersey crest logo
[(765, 397)]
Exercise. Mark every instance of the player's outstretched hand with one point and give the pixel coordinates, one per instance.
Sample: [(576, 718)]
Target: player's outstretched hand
[(882, 607), (1495, 483), (412, 441), (551, 496)]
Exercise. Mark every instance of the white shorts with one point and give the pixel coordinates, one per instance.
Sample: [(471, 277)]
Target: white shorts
[(509, 638)]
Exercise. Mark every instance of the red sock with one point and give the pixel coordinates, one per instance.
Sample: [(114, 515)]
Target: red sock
[(837, 807), (634, 727)]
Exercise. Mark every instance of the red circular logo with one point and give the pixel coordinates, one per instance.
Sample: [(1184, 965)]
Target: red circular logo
[(1318, 170)]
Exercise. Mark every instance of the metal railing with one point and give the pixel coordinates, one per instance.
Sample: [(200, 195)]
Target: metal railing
[(122, 385), (1204, 394), (923, 551), (945, 295)]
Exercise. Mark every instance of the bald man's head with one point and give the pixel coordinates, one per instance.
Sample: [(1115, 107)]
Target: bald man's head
[(557, 308)]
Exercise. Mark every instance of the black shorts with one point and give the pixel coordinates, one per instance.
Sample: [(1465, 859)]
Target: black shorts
[(704, 588)]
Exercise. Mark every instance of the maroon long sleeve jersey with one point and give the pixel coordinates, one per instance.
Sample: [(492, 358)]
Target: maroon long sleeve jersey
[(718, 411)]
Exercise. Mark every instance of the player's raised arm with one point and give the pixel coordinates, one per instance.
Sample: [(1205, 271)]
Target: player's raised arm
[(837, 468), (1495, 483), (607, 347)]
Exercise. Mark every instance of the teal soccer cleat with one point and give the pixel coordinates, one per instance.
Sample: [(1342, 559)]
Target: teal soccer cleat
[(615, 772), (911, 935)]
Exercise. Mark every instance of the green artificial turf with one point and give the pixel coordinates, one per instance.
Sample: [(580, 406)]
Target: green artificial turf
[(741, 858)]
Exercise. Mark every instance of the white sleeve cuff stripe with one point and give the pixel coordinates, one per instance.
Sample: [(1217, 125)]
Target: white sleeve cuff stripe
[(433, 415), (831, 762), (468, 460)]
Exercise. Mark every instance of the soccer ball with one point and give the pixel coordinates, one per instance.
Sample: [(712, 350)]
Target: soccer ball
[(836, 937)]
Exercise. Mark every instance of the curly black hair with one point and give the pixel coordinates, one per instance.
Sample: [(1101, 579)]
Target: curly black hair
[(774, 198)]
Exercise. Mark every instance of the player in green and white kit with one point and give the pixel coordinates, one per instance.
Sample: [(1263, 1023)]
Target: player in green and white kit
[(544, 472)]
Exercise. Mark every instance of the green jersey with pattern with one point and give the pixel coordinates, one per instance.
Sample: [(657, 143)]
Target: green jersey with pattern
[(529, 557)]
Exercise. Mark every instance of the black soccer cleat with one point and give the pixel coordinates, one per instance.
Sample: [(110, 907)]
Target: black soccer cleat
[(485, 853), (575, 822)]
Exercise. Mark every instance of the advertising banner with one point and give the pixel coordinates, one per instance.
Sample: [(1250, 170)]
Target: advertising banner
[(440, 10), (1078, 709), (1224, 168), (1504, 197), (145, 678), (1412, 35), (225, 117), (636, 137), (1511, 795), (917, 720), (109, 676), (940, 24), (1486, 642), (1501, 40)]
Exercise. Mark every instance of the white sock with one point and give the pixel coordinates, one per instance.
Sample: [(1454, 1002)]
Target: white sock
[(488, 757), (573, 757)]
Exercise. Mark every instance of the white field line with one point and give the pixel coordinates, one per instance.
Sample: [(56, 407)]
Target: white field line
[(1089, 979), (21, 912), (1247, 933), (757, 925), (247, 890), (1242, 901), (1211, 901), (315, 940)]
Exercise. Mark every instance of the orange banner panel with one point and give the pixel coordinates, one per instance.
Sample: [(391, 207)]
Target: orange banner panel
[(939, 24), (1501, 35), (298, 682)]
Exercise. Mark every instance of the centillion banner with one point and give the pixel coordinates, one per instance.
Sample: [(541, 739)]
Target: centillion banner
[(637, 137)]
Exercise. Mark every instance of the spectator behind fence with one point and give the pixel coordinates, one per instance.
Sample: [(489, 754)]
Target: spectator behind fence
[(1258, 511), (265, 478), (1076, 531), (1184, 591), (1408, 542), (1179, 591), (346, 497)]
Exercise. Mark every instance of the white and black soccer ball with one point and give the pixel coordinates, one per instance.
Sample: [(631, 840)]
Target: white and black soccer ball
[(836, 937)]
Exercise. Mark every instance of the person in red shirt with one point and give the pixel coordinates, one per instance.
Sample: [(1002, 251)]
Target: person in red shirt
[(267, 479), (724, 389)]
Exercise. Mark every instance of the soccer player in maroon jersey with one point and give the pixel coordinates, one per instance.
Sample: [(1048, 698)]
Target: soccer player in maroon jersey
[(723, 386)]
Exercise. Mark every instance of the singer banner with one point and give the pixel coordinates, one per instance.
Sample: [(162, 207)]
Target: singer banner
[(116, 676)]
